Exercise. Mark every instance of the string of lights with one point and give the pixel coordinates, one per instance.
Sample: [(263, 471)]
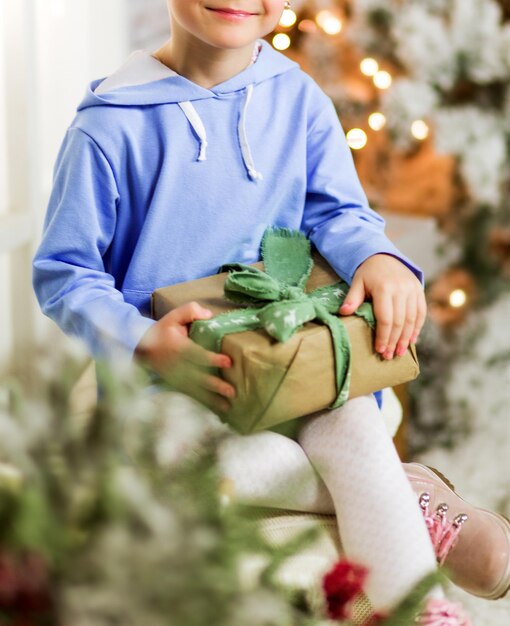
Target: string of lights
[(332, 22)]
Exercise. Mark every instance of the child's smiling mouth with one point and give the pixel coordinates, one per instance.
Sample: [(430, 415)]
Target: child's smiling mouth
[(231, 14)]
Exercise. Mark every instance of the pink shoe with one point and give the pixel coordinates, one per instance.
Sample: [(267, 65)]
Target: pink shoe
[(443, 613), (475, 546)]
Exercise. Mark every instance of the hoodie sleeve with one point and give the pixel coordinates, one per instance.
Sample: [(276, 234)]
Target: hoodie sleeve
[(69, 276), (337, 217)]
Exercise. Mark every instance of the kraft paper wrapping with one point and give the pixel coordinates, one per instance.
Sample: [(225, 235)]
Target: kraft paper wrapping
[(277, 382)]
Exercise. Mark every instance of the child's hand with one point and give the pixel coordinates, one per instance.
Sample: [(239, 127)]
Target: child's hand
[(167, 349), (398, 301)]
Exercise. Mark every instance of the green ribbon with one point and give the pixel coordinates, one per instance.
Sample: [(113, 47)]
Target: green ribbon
[(277, 302)]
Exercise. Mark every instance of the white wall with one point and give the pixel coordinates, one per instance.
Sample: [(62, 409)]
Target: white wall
[(5, 310), (49, 51), (77, 42)]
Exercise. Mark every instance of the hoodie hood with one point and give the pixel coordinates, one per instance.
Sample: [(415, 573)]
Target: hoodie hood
[(143, 80)]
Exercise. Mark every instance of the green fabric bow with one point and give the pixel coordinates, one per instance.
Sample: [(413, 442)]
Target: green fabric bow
[(278, 303)]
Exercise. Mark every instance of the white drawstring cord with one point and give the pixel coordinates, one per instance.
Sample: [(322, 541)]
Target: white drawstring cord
[(243, 140), (196, 123)]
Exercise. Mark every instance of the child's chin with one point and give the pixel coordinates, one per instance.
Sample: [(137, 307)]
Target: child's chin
[(233, 41)]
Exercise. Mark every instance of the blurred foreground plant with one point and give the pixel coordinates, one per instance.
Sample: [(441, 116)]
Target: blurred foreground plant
[(115, 515)]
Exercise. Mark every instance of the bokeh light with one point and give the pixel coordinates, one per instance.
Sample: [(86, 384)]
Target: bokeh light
[(281, 41), (329, 22), (288, 18), (369, 66), (376, 121), (357, 138), (419, 130), (458, 298), (382, 79)]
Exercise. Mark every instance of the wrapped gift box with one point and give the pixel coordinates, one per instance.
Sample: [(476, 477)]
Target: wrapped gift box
[(276, 381)]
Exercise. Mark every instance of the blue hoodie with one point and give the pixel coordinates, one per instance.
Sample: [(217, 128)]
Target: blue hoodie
[(159, 181)]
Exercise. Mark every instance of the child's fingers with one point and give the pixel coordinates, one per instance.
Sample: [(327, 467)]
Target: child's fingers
[(397, 324), (213, 401), (409, 326), (188, 313), (354, 298), (217, 404), (219, 386), (208, 390), (421, 315), (195, 354), (194, 382), (383, 311)]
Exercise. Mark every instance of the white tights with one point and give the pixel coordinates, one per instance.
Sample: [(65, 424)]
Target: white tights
[(345, 463)]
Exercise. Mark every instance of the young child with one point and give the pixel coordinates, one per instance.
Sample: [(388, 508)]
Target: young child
[(175, 165)]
